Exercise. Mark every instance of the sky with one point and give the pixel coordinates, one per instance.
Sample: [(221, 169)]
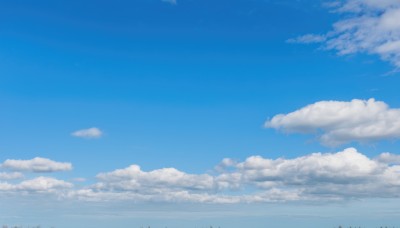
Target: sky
[(199, 113)]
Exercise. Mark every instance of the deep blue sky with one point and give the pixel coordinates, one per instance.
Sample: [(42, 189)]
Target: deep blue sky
[(181, 86)]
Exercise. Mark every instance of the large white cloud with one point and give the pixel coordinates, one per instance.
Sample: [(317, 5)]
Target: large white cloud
[(319, 173), (323, 176), (342, 167), (341, 122), (318, 176), (368, 26), (36, 165), (314, 177)]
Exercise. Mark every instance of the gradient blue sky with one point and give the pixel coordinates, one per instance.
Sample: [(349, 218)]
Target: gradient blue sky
[(180, 85)]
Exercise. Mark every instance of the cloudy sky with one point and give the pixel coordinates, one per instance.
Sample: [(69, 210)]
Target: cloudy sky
[(192, 113)]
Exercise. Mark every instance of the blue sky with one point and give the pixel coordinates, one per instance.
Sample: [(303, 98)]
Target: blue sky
[(90, 88)]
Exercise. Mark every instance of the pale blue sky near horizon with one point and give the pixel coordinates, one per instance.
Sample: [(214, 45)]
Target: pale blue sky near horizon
[(180, 85)]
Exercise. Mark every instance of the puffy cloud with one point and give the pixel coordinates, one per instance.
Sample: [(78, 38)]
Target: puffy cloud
[(344, 167), (133, 178), (389, 158), (36, 165), (368, 26), (88, 133), (10, 176), (322, 176), (36, 185), (43, 184), (225, 164), (172, 185), (317, 176), (346, 174), (342, 122)]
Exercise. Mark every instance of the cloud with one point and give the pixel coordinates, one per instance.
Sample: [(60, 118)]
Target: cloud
[(133, 178), (36, 165), (36, 185), (88, 133), (43, 184), (340, 122), (341, 168), (323, 176), (79, 179), (327, 177), (10, 176), (368, 26), (308, 39), (316, 177), (389, 158), (172, 2)]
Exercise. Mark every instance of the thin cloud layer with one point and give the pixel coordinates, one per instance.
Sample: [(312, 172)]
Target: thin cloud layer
[(36, 165), (339, 122), (10, 175), (347, 174), (172, 2), (368, 26), (88, 133)]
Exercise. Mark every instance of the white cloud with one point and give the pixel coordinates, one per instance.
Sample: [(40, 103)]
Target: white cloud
[(36, 165), (133, 178), (88, 133), (368, 26), (342, 122), (318, 176), (10, 176), (389, 158), (225, 164), (172, 2), (273, 195), (343, 168), (308, 39), (36, 185), (43, 184), (347, 174)]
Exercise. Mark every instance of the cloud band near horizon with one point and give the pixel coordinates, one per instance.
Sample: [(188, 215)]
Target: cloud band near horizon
[(327, 177)]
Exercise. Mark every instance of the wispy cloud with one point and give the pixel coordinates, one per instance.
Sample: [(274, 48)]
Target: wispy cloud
[(172, 2), (36, 165), (340, 122), (10, 175), (88, 133), (308, 39), (367, 27)]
